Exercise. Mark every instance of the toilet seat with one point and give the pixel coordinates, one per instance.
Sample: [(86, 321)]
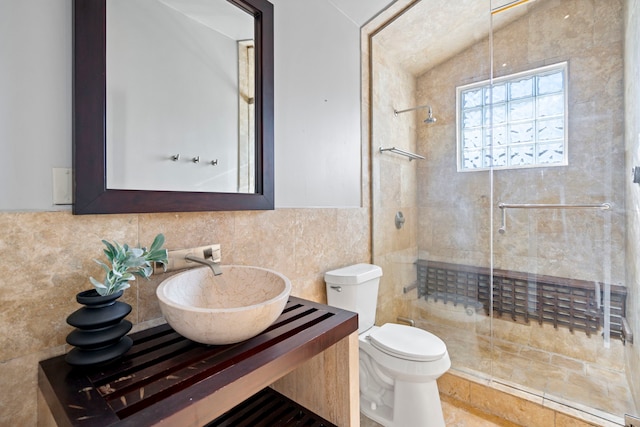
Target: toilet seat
[(408, 343)]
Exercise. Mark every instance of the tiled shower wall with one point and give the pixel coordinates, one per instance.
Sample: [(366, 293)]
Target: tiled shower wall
[(588, 34), (589, 245), (446, 230), (394, 183), (48, 258)]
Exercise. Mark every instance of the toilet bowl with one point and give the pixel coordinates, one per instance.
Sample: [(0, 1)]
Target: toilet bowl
[(399, 364)]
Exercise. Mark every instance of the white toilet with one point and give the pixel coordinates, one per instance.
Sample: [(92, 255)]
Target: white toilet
[(399, 364)]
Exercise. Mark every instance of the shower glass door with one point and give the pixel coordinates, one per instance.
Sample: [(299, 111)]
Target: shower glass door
[(509, 239), (553, 139)]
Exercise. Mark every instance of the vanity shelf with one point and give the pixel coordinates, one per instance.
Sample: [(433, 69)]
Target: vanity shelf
[(269, 408), (166, 379)]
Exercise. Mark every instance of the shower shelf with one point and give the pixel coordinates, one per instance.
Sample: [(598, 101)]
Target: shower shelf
[(523, 297), (411, 156)]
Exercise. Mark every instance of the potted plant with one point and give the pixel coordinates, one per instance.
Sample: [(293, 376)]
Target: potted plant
[(100, 334)]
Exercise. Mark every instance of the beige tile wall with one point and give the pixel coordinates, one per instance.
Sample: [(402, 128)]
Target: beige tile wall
[(513, 406), (394, 183), (581, 244), (47, 258)]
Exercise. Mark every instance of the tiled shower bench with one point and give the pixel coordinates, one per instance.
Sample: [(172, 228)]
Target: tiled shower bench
[(310, 354)]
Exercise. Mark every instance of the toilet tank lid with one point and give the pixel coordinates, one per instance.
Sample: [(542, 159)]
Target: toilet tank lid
[(353, 274)]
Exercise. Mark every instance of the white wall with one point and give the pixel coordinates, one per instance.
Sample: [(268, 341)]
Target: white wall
[(317, 105), (35, 100), (317, 123)]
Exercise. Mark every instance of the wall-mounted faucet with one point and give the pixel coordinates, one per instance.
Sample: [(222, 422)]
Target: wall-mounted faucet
[(209, 255), (215, 266)]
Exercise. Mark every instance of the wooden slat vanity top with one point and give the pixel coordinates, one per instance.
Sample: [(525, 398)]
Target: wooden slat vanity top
[(166, 379)]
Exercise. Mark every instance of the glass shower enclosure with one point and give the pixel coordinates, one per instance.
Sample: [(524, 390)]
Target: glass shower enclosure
[(515, 246)]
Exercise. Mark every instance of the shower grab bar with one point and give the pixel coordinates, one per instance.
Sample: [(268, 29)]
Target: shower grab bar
[(407, 320), (408, 154), (410, 287), (505, 206)]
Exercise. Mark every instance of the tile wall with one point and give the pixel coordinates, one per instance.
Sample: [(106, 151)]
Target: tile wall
[(394, 181), (47, 258), (455, 206)]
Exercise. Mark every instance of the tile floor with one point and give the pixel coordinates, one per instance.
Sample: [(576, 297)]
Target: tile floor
[(590, 387), (457, 415)]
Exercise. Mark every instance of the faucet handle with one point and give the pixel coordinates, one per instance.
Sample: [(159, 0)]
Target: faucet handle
[(209, 252), (213, 252)]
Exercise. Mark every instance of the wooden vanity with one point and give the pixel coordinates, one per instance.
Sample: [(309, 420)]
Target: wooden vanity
[(310, 355)]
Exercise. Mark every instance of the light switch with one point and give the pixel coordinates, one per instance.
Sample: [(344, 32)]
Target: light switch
[(62, 186)]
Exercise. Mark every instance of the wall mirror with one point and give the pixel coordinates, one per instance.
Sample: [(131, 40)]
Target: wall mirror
[(173, 105)]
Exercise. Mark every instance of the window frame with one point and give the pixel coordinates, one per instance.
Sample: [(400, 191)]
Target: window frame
[(547, 69)]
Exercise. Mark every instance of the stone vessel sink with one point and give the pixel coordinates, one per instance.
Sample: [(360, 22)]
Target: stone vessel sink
[(232, 307)]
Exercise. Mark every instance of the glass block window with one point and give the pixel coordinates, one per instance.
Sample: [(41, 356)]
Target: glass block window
[(515, 121)]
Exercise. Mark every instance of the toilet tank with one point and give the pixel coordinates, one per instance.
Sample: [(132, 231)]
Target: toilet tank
[(355, 288)]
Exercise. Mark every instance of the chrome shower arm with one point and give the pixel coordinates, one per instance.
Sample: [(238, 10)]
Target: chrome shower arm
[(396, 112), (429, 119)]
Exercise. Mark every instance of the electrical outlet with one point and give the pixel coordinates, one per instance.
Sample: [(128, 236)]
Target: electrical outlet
[(177, 261), (62, 186), (631, 421)]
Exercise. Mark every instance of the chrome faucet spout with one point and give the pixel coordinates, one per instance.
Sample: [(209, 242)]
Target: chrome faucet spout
[(215, 267)]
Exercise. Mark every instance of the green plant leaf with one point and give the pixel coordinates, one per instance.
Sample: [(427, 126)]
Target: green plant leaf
[(133, 262), (104, 266), (126, 263), (145, 271), (110, 251), (136, 252), (121, 287), (96, 284), (157, 243)]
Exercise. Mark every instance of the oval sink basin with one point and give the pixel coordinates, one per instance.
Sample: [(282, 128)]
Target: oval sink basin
[(232, 307)]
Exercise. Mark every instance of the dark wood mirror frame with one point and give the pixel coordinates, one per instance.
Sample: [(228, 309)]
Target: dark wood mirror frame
[(91, 195)]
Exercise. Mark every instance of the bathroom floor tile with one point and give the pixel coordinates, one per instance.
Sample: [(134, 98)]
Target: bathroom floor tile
[(541, 372), (456, 414)]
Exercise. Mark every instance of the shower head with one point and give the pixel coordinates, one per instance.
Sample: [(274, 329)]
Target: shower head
[(429, 119)]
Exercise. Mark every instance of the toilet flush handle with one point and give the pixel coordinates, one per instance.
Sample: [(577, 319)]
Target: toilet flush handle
[(337, 288)]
